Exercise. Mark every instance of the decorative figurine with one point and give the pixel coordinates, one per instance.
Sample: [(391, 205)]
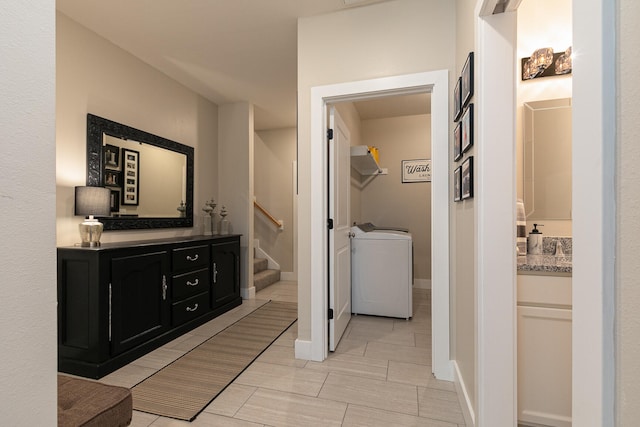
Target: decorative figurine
[(214, 217), (182, 209), (225, 225), (207, 220)]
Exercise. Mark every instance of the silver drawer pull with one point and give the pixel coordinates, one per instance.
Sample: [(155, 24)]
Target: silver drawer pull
[(190, 258), (194, 283), (195, 307)]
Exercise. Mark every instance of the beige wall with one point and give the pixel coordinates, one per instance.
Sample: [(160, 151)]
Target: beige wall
[(463, 231), (386, 201), (28, 362), (275, 154), (541, 23), (94, 76), (235, 185), (385, 39), (628, 220)]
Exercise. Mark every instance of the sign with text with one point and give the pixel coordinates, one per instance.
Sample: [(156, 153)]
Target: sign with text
[(416, 170)]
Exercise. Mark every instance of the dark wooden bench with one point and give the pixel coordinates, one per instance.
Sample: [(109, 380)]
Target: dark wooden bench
[(92, 404)]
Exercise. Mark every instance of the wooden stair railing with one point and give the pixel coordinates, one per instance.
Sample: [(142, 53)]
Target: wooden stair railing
[(270, 217)]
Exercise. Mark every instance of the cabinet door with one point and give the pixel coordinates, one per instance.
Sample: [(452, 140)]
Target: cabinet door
[(544, 366), (225, 276), (139, 306)]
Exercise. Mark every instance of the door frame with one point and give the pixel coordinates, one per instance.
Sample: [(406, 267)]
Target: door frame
[(594, 224), (437, 83)]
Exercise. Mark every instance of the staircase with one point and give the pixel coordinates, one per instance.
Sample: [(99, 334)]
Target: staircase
[(262, 275)]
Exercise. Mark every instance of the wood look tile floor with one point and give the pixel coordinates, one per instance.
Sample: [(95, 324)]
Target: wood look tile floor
[(380, 375)]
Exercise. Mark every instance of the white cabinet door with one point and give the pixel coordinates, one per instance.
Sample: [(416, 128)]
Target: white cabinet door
[(544, 365)]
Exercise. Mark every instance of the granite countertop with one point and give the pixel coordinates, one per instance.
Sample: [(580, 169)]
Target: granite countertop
[(545, 264), (548, 262)]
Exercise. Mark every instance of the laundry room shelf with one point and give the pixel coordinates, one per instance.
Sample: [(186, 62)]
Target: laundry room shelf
[(362, 160)]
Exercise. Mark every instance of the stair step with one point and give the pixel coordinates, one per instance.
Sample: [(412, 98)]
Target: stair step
[(259, 264), (265, 278)]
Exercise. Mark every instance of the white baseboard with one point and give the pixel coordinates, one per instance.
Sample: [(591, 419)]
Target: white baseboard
[(248, 293), (463, 397), (259, 253), (289, 276), (422, 283), (303, 349)]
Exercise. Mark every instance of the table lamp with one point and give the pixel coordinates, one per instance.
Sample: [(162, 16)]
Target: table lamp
[(92, 201)]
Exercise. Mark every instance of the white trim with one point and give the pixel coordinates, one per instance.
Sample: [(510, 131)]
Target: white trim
[(594, 121), (422, 283), (496, 388), (272, 264), (303, 349), (248, 293), (288, 276), (438, 83), (463, 397)]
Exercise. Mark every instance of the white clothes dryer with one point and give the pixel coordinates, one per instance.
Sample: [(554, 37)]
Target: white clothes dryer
[(381, 271)]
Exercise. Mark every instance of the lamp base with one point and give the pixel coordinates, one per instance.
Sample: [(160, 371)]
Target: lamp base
[(90, 232)]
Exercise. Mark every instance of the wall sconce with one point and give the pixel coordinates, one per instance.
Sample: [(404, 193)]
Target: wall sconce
[(92, 201), (539, 63)]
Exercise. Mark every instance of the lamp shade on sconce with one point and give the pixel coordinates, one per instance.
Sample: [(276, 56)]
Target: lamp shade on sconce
[(92, 201)]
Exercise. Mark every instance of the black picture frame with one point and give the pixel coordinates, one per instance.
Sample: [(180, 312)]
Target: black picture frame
[(466, 91), (131, 177), (112, 178), (467, 129), (457, 101), (111, 157), (466, 187), (457, 184), (115, 200), (457, 142)]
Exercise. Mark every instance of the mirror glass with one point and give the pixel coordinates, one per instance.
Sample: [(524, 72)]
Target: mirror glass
[(150, 177), (547, 159)]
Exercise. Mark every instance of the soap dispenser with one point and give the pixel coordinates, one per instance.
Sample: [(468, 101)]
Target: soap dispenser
[(534, 241)]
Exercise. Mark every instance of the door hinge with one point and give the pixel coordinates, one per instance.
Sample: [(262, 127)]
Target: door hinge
[(330, 313), (330, 224), (329, 134)]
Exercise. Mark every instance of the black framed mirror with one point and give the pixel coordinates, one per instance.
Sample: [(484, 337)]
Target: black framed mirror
[(150, 177)]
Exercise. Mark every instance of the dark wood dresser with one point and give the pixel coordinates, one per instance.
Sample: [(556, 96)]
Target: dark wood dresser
[(119, 301)]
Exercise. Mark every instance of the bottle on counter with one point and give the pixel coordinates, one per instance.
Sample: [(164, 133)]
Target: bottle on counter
[(534, 241)]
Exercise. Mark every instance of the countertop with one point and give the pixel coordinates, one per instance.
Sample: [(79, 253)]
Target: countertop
[(544, 264)]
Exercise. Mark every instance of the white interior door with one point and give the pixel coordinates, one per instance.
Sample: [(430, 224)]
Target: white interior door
[(339, 234)]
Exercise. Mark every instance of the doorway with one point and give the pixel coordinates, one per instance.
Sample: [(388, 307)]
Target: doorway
[(386, 133), (435, 82)]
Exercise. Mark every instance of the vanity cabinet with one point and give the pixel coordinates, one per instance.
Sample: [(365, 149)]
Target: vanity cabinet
[(544, 350), (119, 301)]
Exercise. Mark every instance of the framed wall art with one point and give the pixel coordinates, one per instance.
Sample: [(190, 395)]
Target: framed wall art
[(467, 128), (112, 178), (131, 177), (457, 101), (466, 90), (457, 142), (115, 200), (111, 156), (457, 184), (416, 170), (467, 178)]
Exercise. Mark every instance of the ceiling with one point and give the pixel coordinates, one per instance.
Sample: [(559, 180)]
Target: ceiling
[(226, 50)]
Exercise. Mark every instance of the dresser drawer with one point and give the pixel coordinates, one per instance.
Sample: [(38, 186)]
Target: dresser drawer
[(192, 283), (190, 258), (190, 308)]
